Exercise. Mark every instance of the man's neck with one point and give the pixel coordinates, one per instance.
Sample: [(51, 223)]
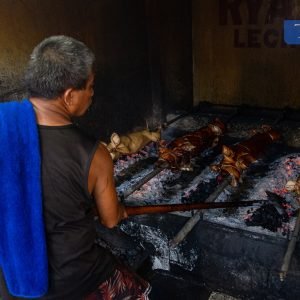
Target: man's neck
[(50, 112)]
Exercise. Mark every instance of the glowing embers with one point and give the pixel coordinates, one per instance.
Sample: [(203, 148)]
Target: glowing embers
[(278, 212), (163, 256), (155, 191), (122, 165), (176, 187)]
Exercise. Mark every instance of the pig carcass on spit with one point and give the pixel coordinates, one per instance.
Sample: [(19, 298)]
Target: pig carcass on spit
[(178, 153), (238, 157), (130, 143)]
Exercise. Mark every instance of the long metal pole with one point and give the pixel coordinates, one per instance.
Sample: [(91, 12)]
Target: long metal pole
[(144, 180), (165, 208)]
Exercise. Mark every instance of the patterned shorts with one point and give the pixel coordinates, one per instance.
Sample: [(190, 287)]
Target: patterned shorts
[(122, 285)]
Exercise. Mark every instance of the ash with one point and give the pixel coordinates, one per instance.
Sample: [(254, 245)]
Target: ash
[(189, 123), (280, 171), (134, 179), (154, 191), (163, 255), (127, 161), (291, 133), (242, 130), (170, 187)]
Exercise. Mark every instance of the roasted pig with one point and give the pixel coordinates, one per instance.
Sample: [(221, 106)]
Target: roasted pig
[(238, 157), (178, 153)]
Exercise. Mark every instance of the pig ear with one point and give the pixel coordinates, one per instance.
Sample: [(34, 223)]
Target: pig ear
[(115, 139), (162, 144), (227, 151)]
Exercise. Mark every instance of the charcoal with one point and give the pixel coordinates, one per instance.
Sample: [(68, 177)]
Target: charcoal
[(267, 217), (201, 193), (275, 198)]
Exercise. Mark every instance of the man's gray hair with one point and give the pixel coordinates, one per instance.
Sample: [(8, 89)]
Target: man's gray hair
[(56, 64)]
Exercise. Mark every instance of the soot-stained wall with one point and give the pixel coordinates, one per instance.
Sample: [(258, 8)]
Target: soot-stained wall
[(114, 30), (143, 50), (170, 51), (157, 56), (240, 56)]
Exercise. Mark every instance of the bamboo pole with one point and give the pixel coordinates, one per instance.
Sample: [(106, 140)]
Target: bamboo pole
[(190, 224), (290, 249), (143, 181)]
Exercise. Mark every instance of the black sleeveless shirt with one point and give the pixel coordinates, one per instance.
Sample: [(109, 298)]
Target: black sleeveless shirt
[(76, 264)]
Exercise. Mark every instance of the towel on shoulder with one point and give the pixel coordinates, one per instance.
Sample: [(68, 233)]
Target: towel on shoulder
[(23, 255)]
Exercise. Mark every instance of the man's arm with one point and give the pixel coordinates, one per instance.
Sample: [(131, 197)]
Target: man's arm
[(101, 185)]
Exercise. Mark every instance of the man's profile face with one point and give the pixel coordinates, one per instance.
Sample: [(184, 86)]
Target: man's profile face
[(83, 97)]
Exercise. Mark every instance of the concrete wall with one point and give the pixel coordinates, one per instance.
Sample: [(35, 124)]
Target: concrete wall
[(240, 56)]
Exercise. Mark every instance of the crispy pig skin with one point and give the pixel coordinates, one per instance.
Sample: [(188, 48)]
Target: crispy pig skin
[(178, 153), (238, 157)]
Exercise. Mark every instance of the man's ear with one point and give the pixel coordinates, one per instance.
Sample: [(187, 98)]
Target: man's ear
[(68, 97)]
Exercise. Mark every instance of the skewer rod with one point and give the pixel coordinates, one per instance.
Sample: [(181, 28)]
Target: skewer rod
[(154, 209), (190, 224), (290, 250)]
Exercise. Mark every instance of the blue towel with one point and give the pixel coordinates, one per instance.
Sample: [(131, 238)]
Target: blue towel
[(23, 255)]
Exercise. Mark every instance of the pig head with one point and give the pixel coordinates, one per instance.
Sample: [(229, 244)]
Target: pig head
[(131, 143)]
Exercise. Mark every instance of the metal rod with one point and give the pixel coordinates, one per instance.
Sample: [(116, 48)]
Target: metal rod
[(168, 123), (144, 180), (166, 208), (191, 111), (290, 250), (197, 109), (190, 224)]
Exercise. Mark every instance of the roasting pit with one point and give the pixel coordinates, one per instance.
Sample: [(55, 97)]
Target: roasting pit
[(225, 250)]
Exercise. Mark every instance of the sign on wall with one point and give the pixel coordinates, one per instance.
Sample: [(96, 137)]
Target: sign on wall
[(292, 32), (257, 23)]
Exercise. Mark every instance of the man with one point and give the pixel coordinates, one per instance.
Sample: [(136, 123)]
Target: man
[(75, 172)]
